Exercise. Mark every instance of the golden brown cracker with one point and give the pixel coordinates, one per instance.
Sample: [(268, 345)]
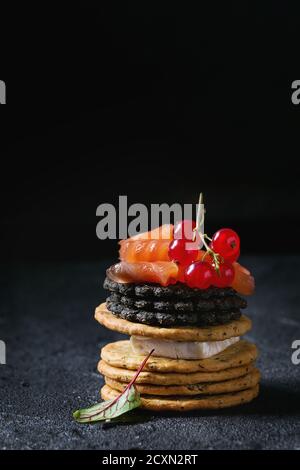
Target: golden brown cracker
[(156, 378), (184, 403), (210, 388), (212, 333), (120, 354)]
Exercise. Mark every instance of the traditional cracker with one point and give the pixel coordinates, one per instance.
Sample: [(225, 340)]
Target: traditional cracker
[(120, 354), (177, 403), (209, 388), (213, 333), (156, 378)]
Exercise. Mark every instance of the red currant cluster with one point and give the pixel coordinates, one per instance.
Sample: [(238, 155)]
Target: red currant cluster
[(222, 251)]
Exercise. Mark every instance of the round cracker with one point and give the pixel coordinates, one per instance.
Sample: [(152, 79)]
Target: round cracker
[(120, 354), (212, 333), (214, 388), (205, 402), (155, 378)]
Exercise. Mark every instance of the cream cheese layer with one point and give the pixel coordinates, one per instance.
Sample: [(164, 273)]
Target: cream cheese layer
[(179, 349)]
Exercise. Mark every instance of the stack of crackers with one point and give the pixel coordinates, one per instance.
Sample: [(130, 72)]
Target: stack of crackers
[(170, 318)]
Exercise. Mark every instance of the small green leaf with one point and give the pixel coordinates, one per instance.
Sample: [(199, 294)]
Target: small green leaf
[(109, 409)]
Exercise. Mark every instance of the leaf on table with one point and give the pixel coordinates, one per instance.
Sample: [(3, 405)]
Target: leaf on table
[(109, 409)]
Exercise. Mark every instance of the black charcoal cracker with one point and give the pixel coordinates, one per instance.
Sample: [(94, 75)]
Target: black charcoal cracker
[(178, 290), (232, 302), (167, 319)]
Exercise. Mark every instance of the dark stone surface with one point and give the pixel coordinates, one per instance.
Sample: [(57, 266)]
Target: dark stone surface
[(53, 346)]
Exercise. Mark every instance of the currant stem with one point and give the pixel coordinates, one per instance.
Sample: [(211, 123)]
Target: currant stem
[(208, 238), (200, 216), (202, 236), (200, 219)]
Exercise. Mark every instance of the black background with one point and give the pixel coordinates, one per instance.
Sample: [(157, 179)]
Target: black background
[(155, 102)]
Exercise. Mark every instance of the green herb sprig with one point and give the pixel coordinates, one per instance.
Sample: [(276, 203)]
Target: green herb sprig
[(109, 409)]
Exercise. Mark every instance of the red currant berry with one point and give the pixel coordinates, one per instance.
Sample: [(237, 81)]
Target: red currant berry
[(233, 258), (226, 242), (184, 229), (199, 274), (224, 277), (181, 273), (178, 252)]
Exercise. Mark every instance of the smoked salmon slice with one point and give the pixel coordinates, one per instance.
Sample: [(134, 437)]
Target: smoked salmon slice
[(144, 258), (168, 272), (164, 232), (161, 272), (243, 281), (133, 251), (147, 246)]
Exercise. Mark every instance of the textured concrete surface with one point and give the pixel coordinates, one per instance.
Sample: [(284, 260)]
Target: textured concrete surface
[(53, 346)]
